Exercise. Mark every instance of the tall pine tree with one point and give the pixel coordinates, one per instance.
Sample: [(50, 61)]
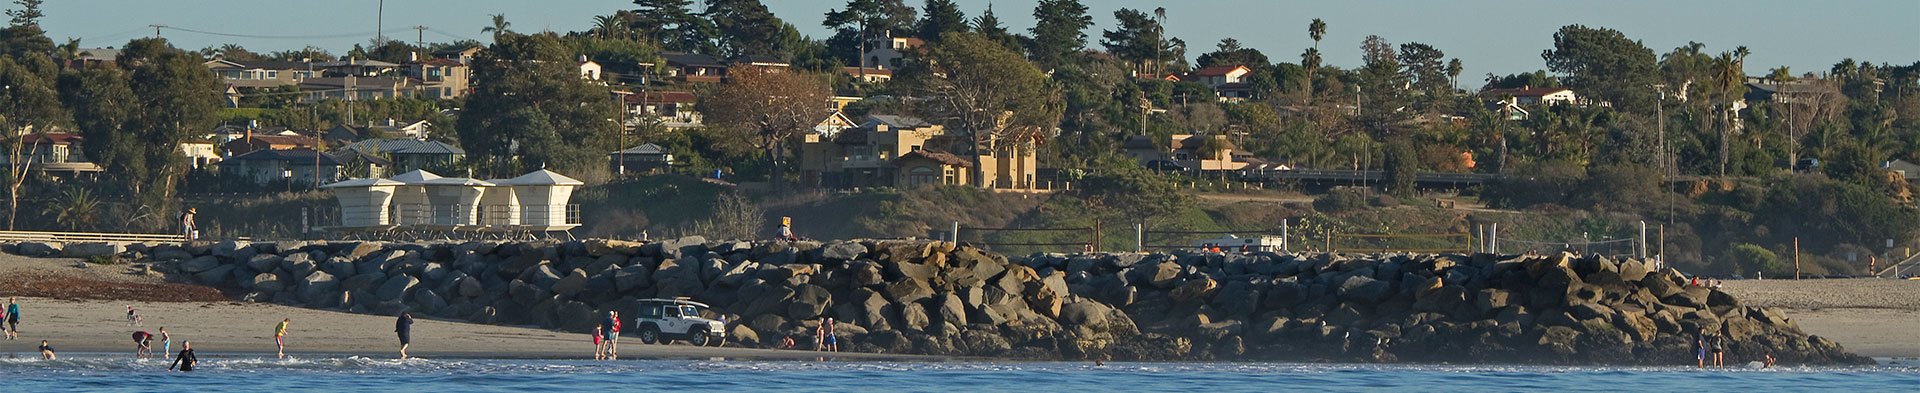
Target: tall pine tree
[(1059, 30)]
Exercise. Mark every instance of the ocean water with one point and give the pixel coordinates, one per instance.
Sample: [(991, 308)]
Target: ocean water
[(115, 373)]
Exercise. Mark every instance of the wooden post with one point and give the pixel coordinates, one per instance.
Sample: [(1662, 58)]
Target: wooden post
[(1663, 246), (1796, 257)]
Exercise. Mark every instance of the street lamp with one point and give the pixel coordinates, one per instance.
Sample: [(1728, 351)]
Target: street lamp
[(287, 175)]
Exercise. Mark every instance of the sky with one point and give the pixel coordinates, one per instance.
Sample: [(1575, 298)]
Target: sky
[(1489, 36)]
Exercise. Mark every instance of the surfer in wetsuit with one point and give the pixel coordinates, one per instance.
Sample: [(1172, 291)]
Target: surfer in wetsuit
[(186, 359)]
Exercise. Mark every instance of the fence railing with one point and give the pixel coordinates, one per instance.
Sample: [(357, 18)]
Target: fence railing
[(75, 237)]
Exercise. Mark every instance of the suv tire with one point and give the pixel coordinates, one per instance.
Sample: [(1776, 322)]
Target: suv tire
[(650, 334), (698, 337)]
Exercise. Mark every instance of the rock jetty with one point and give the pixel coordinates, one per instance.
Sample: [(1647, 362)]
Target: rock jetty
[(939, 298)]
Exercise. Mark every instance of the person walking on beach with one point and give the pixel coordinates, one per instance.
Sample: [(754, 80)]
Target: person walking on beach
[(279, 337), (186, 223), (13, 319), (166, 343), (403, 327), (829, 341), (606, 335), (133, 317), (599, 345), (613, 338), (142, 345), (46, 350), (186, 359)]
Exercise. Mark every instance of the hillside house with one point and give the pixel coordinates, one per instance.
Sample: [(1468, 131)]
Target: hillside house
[(902, 151), (252, 142), (300, 166), (1188, 151), (440, 79), (886, 51), (262, 73), (694, 68), (345, 133), (54, 153), (671, 109), (644, 159), (409, 154), (1529, 95)]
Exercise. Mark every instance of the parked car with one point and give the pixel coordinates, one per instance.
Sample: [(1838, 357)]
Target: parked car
[(1167, 166), (664, 320)]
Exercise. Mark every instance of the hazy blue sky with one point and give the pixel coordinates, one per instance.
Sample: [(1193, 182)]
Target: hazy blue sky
[(1488, 36)]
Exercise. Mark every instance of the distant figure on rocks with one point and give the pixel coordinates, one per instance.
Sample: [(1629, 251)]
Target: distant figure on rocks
[(279, 337), (403, 327), (186, 223), (1769, 360), (46, 350), (142, 345), (13, 319), (186, 359)]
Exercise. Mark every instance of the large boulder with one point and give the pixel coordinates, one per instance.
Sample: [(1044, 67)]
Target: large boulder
[(635, 276), (1085, 313), (397, 288), (908, 291), (200, 264), (264, 262), (267, 282), (573, 283), (914, 317), (809, 301), (91, 250), (470, 287), (952, 310), (317, 286), (39, 249), (1363, 289), (842, 251)]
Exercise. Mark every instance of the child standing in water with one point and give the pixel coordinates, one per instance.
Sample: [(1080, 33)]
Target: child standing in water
[(599, 347), (279, 335), (166, 343)]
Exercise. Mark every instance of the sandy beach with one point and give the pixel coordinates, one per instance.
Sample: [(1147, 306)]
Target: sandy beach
[(1871, 317), (77, 324)]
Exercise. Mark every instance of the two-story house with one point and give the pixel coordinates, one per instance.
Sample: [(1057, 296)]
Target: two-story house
[(1187, 152), (903, 151), (671, 109), (886, 51), (53, 153), (440, 79)]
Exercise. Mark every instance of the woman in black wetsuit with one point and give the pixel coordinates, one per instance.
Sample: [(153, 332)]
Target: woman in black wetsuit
[(186, 359)]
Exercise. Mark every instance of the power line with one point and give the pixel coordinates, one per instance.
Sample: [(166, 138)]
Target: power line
[(157, 28)]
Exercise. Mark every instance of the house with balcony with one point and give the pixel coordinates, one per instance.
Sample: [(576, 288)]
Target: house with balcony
[(671, 109), (53, 153), (887, 51), (1199, 152), (409, 154)]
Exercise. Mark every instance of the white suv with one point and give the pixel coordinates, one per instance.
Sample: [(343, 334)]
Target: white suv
[(664, 320)]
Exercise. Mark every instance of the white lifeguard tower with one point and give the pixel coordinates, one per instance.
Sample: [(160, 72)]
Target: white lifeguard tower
[(420, 203), (542, 198), (364, 202)]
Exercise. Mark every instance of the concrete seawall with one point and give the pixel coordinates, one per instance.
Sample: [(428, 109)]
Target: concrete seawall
[(939, 298)]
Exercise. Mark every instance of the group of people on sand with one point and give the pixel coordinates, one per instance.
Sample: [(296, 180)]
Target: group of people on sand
[(824, 338), (606, 337)]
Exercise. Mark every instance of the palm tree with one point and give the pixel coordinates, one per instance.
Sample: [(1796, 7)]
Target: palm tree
[(1316, 30), (1729, 79), (609, 26), (499, 27), (76, 210)]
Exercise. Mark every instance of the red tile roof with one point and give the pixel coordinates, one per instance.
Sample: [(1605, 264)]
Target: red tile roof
[(939, 157)]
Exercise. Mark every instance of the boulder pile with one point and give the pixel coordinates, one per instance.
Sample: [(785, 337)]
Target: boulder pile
[(939, 298)]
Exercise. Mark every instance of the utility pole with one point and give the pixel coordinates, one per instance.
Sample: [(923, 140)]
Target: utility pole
[(419, 37), (380, 23), (1796, 257), (156, 30)]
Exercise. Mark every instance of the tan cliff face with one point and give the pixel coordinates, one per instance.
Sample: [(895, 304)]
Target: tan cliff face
[(941, 298)]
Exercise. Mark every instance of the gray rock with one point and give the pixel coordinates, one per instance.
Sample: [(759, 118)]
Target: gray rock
[(264, 262), (267, 282), (316, 286), (199, 264), (39, 249), (470, 287), (217, 276), (843, 251), (366, 281), (91, 249), (633, 277), (1364, 289), (396, 288), (909, 291), (1085, 313), (572, 284), (809, 301), (914, 317), (952, 310)]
